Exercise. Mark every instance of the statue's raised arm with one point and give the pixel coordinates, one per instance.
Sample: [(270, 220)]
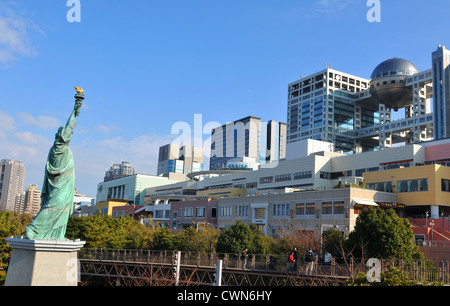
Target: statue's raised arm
[(66, 132), (59, 184)]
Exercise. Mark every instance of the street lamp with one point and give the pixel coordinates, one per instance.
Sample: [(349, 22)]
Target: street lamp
[(432, 224)]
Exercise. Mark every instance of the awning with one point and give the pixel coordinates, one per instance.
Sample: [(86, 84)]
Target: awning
[(364, 202)]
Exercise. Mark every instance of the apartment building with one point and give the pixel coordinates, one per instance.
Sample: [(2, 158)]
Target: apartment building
[(12, 174)]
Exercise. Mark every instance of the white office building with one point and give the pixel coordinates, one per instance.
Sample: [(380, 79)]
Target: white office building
[(249, 137)]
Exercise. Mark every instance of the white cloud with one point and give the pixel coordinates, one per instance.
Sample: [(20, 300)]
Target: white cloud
[(29, 138), (7, 123), (105, 130), (42, 122), (15, 33), (92, 158), (332, 6)]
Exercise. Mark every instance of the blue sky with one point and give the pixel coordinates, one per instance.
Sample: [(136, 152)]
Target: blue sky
[(145, 65)]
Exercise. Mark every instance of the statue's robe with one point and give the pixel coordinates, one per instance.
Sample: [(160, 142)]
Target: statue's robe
[(57, 191)]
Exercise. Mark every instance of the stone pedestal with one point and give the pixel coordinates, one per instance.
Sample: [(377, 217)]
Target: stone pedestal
[(43, 263)]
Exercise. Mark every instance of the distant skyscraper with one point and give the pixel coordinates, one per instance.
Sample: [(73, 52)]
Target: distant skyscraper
[(247, 137), (117, 171), (175, 158), (12, 175)]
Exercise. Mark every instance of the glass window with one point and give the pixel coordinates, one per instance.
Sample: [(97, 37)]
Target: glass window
[(225, 211), (302, 175), (415, 185), (283, 177), (188, 212), (339, 207), (423, 185), (445, 185), (200, 212), (300, 209), (213, 212), (266, 180), (402, 186), (327, 208), (310, 208), (281, 209), (242, 210)]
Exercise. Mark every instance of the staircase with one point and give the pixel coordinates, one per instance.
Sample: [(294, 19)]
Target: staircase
[(440, 229)]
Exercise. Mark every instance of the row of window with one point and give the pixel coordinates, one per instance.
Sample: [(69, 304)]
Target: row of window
[(286, 209), (414, 185), (309, 208), (286, 177), (200, 212)]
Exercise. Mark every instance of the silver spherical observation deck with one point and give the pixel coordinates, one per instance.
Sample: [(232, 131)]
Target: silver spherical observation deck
[(388, 80)]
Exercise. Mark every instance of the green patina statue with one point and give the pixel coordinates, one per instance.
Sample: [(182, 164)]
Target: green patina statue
[(59, 184)]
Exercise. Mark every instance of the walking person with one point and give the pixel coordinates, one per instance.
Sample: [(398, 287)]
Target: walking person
[(309, 258), (327, 261), (316, 263), (291, 262), (244, 257), (295, 255)]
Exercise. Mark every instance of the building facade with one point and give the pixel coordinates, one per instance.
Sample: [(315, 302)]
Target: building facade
[(32, 200), (117, 171), (193, 212), (12, 174), (180, 159), (131, 188), (315, 210), (248, 137), (441, 92), (325, 170)]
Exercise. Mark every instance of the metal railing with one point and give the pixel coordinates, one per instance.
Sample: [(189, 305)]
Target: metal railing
[(420, 271)]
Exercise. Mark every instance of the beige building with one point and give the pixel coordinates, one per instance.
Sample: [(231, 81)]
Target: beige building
[(317, 210), (12, 175), (28, 201), (32, 203), (179, 159)]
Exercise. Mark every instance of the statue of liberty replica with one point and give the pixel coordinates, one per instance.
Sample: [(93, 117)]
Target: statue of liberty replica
[(45, 257), (59, 184)]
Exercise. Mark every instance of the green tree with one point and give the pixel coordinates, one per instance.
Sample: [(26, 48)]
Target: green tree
[(382, 234), (201, 238), (163, 239), (101, 231), (333, 242), (391, 277), (240, 236)]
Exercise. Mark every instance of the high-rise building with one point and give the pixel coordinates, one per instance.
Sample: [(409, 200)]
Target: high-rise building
[(248, 137), (12, 175), (357, 114), (19, 203), (117, 171), (181, 159), (441, 92), (32, 201), (28, 201)]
